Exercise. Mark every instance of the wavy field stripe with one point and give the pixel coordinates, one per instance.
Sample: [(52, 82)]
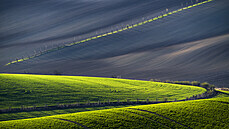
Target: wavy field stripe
[(109, 33)]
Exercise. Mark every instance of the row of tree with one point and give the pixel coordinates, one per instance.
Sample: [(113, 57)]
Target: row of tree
[(205, 85)]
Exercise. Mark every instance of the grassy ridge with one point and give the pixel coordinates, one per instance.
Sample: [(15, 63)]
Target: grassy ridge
[(207, 113), (212, 113), (34, 114), (29, 90), (39, 123)]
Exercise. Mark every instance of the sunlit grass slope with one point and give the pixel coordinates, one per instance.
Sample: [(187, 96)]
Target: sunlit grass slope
[(222, 94), (34, 114), (29, 90), (207, 113)]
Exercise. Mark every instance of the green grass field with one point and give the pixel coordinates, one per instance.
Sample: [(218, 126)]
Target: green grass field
[(28, 90), (34, 114), (21, 89), (206, 113)]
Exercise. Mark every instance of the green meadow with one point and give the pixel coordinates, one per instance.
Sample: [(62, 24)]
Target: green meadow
[(205, 113), (29, 90), (34, 114)]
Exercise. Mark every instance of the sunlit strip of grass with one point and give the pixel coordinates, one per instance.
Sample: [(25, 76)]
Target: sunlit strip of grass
[(206, 113), (109, 33), (29, 90)]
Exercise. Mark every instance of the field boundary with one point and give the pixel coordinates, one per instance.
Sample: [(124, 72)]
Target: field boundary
[(207, 94), (73, 122), (128, 27)]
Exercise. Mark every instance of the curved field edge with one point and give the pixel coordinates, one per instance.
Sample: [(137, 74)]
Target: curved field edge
[(28, 90), (109, 33), (206, 113), (222, 94), (35, 114)]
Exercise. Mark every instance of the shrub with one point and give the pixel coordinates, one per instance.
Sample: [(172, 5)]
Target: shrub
[(195, 83), (212, 87), (205, 85)]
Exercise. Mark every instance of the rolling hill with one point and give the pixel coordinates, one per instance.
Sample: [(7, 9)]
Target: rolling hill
[(208, 113), (50, 49), (189, 45), (28, 90)]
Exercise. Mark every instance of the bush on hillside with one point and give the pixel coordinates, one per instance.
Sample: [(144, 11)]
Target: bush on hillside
[(205, 85), (195, 83), (182, 82)]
